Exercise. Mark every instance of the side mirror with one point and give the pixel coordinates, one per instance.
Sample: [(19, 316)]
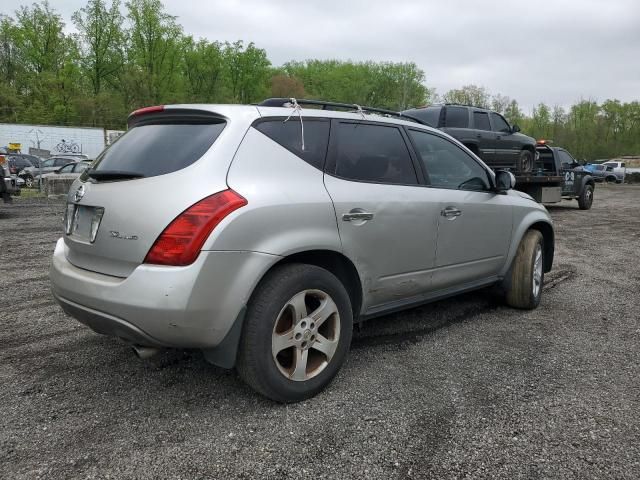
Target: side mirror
[(505, 181), (515, 129)]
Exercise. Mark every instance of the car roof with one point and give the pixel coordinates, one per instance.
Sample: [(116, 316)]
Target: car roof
[(256, 112)]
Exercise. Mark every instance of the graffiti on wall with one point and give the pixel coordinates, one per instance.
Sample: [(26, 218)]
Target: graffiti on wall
[(67, 147)]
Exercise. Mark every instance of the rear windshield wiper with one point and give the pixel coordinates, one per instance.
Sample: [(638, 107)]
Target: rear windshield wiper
[(112, 174)]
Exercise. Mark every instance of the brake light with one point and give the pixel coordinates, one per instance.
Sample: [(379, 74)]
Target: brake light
[(145, 110), (180, 243)]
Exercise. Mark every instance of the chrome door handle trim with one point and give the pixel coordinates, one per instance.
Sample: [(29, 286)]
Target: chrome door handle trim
[(347, 217), (451, 212)]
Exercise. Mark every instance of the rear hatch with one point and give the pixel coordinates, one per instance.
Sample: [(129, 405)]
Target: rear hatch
[(169, 159)]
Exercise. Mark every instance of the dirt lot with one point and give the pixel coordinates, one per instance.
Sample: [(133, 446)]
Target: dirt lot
[(463, 388)]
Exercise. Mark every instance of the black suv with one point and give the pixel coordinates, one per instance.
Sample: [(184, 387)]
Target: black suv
[(485, 132)]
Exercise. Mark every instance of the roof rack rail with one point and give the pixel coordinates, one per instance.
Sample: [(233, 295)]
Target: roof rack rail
[(285, 102)]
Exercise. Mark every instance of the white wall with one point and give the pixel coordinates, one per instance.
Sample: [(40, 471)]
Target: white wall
[(89, 141)]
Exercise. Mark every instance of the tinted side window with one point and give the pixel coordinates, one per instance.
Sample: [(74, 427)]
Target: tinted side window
[(67, 168), (61, 162), (429, 115), (373, 153), (456, 117), (289, 135), (447, 165), (481, 121), (499, 123), (565, 158), (622, 165)]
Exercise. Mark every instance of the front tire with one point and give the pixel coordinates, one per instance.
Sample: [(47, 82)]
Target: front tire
[(585, 200), (524, 289), (296, 334), (525, 163), (29, 182)]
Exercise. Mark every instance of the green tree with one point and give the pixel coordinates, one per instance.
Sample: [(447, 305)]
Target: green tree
[(155, 41), (102, 42), (469, 95), (249, 71)]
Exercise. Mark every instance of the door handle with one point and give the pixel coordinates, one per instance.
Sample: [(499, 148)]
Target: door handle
[(499, 137), (356, 215), (478, 135), (451, 212)]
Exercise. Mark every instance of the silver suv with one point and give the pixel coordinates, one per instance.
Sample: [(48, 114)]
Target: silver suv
[(259, 234)]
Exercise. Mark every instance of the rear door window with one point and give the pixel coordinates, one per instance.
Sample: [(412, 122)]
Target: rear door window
[(481, 121), (372, 153), (456, 117), (289, 135), (151, 149)]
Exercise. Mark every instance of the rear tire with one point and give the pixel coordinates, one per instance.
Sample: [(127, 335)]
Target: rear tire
[(611, 179), (29, 181), (585, 200), (524, 288), (296, 334), (525, 163)]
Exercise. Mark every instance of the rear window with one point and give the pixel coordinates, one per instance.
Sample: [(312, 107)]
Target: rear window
[(429, 115), (157, 149), (456, 117)]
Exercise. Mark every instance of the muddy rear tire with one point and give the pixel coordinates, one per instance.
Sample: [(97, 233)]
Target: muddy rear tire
[(523, 288), (296, 334)]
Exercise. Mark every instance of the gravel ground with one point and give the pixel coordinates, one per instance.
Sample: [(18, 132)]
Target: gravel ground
[(463, 388)]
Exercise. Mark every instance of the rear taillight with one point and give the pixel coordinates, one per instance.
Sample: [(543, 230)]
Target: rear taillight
[(180, 243)]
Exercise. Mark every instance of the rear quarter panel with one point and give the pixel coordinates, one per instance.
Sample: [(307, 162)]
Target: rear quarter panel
[(288, 210)]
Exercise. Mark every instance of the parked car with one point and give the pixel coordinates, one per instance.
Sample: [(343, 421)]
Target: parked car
[(286, 235), (619, 169), (73, 169), (20, 161), (49, 165), (485, 132), (601, 172), (8, 185)]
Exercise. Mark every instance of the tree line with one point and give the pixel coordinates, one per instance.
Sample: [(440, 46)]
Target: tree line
[(122, 57)]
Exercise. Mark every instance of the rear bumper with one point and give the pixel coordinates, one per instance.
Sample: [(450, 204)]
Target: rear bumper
[(182, 307), (10, 186)]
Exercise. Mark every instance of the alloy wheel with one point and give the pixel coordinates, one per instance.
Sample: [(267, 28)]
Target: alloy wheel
[(305, 335)]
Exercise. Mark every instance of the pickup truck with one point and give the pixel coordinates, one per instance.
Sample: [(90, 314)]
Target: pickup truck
[(9, 184)]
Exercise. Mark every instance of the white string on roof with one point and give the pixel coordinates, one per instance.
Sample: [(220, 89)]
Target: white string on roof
[(359, 110), (296, 108)]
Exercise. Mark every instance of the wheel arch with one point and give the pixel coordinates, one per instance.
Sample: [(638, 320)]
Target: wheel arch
[(336, 263), (549, 242), (532, 221), (225, 354)]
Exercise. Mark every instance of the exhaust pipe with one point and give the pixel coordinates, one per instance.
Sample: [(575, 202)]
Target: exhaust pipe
[(144, 353)]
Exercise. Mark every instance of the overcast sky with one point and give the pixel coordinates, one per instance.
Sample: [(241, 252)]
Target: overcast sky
[(555, 52)]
